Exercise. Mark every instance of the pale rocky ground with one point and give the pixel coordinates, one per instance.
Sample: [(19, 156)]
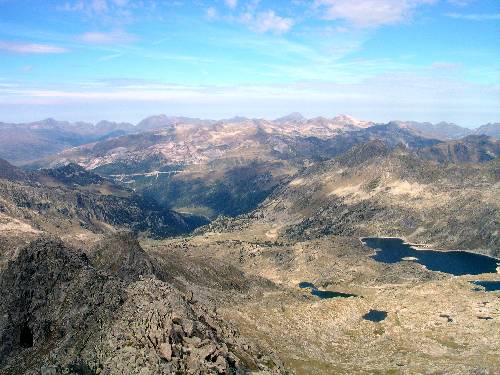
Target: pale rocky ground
[(191, 144), (436, 323)]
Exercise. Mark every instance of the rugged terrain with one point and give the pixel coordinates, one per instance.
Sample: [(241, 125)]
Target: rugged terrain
[(226, 167), (374, 190), (100, 276), (436, 323), (74, 203), (111, 310), (471, 149)]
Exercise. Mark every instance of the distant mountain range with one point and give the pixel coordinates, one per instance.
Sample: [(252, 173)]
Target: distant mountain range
[(25, 142), (471, 149), (21, 143), (449, 131), (206, 167), (224, 167)]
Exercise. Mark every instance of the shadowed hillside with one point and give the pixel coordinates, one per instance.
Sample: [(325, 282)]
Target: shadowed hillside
[(373, 190)]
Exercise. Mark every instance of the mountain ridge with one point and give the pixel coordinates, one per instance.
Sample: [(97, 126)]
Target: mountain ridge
[(71, 201), (22, 143), (376, 190), (222, 168)]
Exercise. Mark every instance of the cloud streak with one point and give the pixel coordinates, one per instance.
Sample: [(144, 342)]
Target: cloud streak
[(369, 13), (93, 6), (114, 12), (475, 17), (460, 3), (231, 3), (112, 37), (30, 48), (267, 21)]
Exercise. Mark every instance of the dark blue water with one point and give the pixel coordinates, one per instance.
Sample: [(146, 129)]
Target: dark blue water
[(392, 250), (323, 294), (489, 286), (375, 315), (327, 294), (305, 284)]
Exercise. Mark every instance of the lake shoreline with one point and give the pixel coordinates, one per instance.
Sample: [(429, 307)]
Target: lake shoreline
[(456, 262), (422, 247)]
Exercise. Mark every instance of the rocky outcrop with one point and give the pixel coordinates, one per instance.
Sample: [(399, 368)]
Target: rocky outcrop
[(52, 299), (122, 256), (61, 315)]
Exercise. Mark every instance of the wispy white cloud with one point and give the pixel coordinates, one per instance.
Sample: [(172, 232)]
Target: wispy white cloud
[(475, 17), (460, 3), (96, 6), (231, 3), (369, 13), (92, 6), (267, 21), (115, 12), (36, 48), (112, 37)]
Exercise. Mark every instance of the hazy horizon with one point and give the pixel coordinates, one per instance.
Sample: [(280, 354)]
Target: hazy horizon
[(136, 121), (421, 60)]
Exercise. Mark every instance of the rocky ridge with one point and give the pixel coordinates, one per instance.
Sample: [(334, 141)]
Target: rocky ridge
[(68, 312)]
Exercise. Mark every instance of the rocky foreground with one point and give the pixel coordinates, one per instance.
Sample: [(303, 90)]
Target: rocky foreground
[(111, 311), (230, 304)]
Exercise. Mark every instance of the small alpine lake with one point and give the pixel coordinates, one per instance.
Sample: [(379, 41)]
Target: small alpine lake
[(323, 294), (375, 316), (489, 286), (393, 250)]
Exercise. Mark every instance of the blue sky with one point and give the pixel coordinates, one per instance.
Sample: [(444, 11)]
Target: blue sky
[(425, 60)]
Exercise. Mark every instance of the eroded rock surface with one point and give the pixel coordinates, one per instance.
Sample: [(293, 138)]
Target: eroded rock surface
[(61, 315)]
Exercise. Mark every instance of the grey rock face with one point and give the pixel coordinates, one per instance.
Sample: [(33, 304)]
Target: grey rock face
[(52, 301), (61, 315), (122, 256)]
